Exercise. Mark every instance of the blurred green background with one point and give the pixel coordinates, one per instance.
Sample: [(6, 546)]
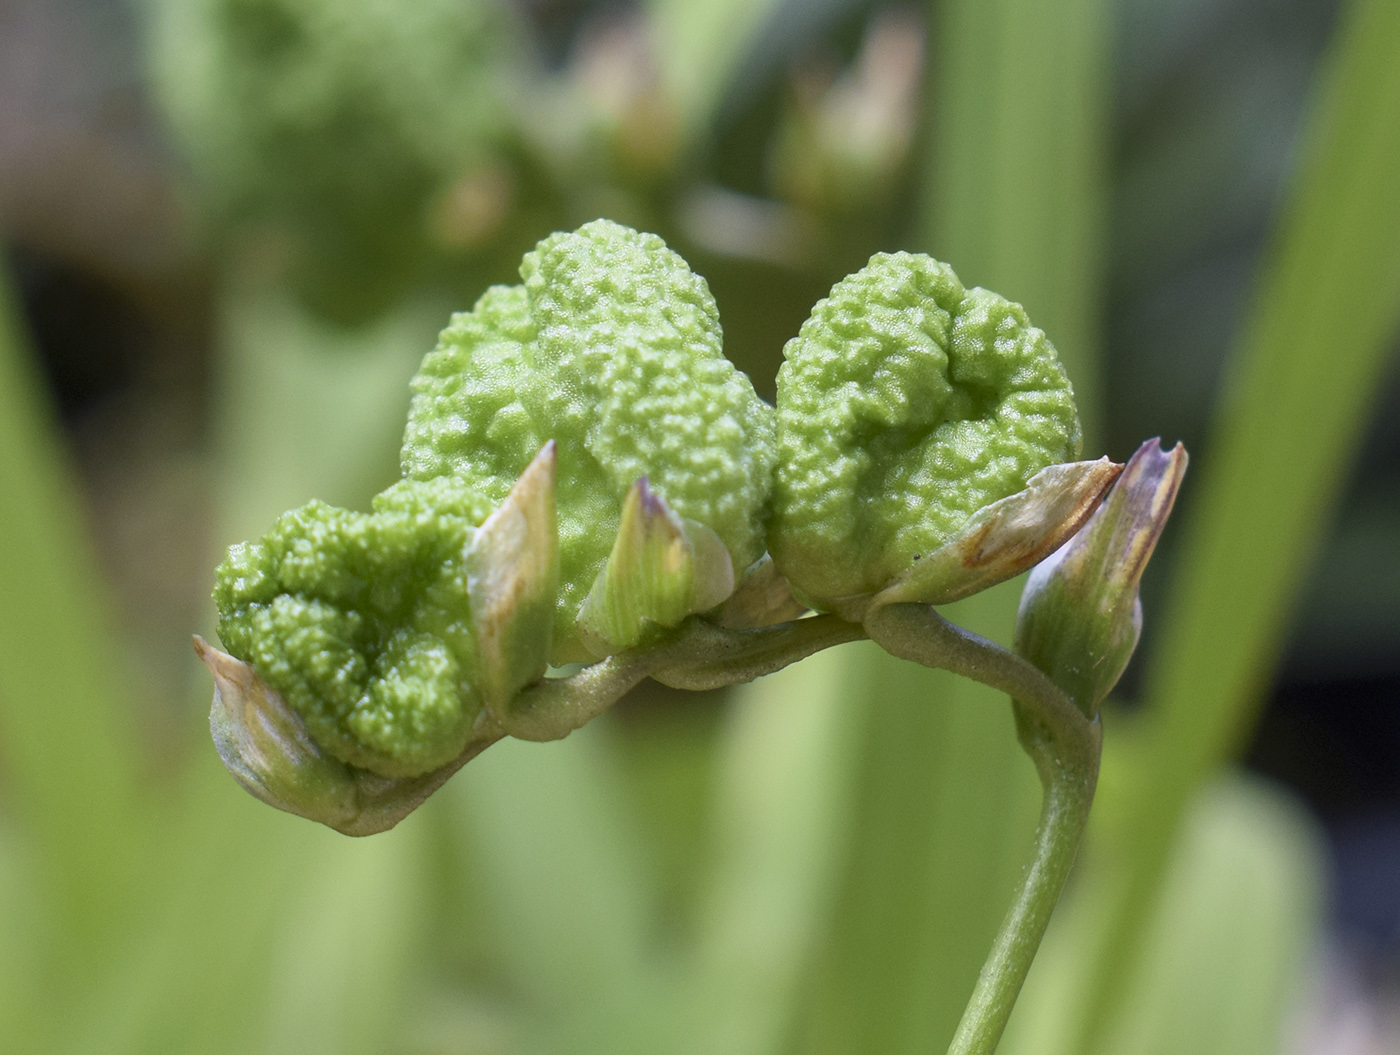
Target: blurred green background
[(232, 227)]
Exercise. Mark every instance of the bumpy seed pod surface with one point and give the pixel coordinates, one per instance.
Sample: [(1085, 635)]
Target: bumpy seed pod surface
[(612, 348), (906, 403), (363, 624)]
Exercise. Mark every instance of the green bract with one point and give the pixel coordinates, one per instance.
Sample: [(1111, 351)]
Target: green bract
[(362, 622), (907, 403), (612, 348)]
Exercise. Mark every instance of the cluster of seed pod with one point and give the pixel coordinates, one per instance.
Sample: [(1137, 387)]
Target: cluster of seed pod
[(587, 478)]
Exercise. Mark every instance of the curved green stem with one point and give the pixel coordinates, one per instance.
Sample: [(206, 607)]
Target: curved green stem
[(1065, 746), (700, 656), (1062, 742), (727, 657)]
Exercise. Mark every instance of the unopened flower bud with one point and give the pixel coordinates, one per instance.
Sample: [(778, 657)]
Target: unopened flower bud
[(1080, 615)]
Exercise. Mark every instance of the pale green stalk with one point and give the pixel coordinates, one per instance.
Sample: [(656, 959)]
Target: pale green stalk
[(1012, 192), (1065, 746)]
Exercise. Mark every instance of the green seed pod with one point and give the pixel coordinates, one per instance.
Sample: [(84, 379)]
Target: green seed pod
[(907, 404), (612, 348), (363, 623)]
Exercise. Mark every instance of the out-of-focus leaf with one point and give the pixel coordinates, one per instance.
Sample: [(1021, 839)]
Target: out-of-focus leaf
[(21, 930), (1240, 912), (225, 883), (69, 757), (699, 44), (257, 928), (554, 856), (783, 813), (1298, 390), (343, 963), (216, 891), (1014, 195), (308, 410), (1225, 950)]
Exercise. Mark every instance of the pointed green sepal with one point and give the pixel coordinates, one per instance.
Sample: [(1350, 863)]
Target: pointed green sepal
[(265, 746), (663, 567), (1080, 615), (513, 582), (1000, 540)]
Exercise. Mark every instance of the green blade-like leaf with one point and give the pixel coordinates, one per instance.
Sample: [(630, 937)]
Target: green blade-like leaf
[(1299, 388), (699, 44), (1240, 913), (194, 977), (304, 410), (1014, 193), (344, 960), (570, 899), (22, 936)]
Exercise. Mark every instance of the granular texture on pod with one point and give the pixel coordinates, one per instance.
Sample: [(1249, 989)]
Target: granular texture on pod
[(906, 404), (363, 623), (611, 347)]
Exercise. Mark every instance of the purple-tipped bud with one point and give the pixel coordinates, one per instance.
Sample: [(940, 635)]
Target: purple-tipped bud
[(1080, 614)]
